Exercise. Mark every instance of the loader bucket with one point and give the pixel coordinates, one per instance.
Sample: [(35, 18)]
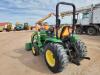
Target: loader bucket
[(28, 46)]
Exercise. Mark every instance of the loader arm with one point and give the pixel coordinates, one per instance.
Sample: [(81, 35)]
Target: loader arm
[(46, 17)]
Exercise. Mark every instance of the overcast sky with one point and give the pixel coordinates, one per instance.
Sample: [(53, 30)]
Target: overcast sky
[(32, 10)]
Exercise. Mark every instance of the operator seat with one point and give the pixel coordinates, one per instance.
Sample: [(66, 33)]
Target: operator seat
[(65, 32), (46, 27)]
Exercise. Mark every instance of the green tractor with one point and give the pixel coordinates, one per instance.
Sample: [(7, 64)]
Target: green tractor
[(58, 51)]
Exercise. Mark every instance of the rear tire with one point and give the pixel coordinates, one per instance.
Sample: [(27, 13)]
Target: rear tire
[(60, 57), (81, 48), (91, 31)]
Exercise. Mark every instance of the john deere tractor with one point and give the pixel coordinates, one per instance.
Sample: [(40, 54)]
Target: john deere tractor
[(58, 49)]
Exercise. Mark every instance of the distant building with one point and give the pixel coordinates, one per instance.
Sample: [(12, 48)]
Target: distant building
[(3, 24)]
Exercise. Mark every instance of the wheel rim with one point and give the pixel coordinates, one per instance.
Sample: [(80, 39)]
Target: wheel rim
[(33, 50), (50, 58)]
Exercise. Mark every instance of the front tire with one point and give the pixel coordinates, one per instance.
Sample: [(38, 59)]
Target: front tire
[(35, 50), (55, 57)]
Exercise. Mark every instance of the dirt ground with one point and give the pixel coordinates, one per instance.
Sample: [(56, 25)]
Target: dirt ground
[(14, 60)]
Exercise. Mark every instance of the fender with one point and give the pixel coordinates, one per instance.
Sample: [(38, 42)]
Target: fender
[(53, 39), (74, 38)]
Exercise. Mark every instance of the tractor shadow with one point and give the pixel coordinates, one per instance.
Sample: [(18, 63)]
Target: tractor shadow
[(36, 63)]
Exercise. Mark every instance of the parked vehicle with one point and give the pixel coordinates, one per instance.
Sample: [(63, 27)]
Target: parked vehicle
[(90, 21), (1, 28), (19, 27), (26, 26), (8, 27)]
